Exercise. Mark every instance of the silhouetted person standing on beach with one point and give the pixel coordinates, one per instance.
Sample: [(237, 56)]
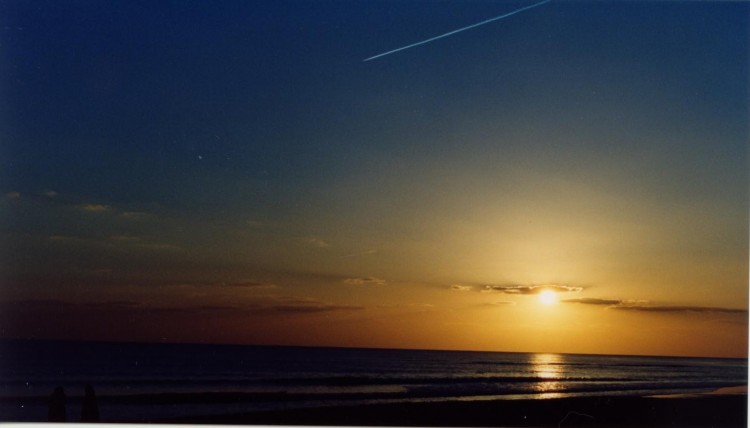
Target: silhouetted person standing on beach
[(90, 409), (57, 406)]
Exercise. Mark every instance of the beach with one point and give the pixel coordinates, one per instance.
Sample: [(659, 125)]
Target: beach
[(707, 410)]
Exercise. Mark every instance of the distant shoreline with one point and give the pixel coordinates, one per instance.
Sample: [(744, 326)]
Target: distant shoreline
[(707, 410)]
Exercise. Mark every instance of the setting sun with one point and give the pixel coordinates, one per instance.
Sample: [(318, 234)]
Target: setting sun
[(547, 297)]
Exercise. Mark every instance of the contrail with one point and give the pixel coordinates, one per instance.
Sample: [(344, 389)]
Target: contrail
[(459, 30)]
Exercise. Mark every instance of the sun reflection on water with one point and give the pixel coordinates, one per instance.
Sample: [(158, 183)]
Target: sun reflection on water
[(549, 368)]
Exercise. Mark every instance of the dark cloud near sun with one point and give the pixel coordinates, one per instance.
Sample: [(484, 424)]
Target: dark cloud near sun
[(640, 306), (679, 309), (530, 289), (594, 301)]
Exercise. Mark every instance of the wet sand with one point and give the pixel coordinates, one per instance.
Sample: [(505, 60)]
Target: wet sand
[(729, 390), (708, 410)]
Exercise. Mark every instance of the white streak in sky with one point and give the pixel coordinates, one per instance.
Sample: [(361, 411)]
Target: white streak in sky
[(459, 30)]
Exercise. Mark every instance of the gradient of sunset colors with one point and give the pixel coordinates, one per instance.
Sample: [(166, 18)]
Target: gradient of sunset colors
[(570, 179)]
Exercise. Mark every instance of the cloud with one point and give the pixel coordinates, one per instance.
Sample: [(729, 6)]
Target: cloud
[(202, 285), (316, 242), (411, 307), (370, 280), (284, 305), (280, 305), (119, 242), (499, 303), (307, 308), (457, 287), (125, 238), (158, 246), (593, 301), (248, 284), (679, 309), (276, 305), (361, 253), (530, 289), (50, 194), (642, 306), (95, 208), (13, 195), (56, 305)]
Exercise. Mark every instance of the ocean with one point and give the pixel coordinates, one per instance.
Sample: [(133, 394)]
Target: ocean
[(137, 382)]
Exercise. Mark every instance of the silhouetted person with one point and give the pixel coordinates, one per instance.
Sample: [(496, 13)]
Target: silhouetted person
[(90, 409), (57, 406)]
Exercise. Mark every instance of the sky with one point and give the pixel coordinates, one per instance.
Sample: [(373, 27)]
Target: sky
[(571, 178)]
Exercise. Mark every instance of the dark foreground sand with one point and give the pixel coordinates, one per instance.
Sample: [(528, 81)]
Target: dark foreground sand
[(694, 411)]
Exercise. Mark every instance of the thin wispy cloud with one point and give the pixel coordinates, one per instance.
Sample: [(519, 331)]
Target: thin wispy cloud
[(369, 280), (361, 253), (412, 307), (679, 309), (530, 289), (58, 305), (248, 284), (316, 242), (498, 303), (120, 242), (125, 238), (228, 284), (278, 305), (594, 301), (308, 308), (95, 208), (159, 246), (458, 287), (642, 306), (290, 305), (55, 202)]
